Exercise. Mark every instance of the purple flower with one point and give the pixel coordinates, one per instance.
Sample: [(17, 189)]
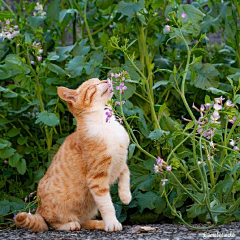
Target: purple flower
[(164, 180), (202, 108), (16, 26), (193, 106), (25, 199), (217, 107), (156, 168), (120, 120), (109, 114), (121, 87), (235, 148), (159, 161), (167, 27), (32, 62), (116, 75), (110, 85), (184, 15), (39, 59), (14, 217), (232, 142), (7, 22), (208, 105), (214, 117), (111, 74), (232, 120), (166, 19), (185, 119), (219, 100), (39, 43), (118, 103), (211, 144), (169, 168)]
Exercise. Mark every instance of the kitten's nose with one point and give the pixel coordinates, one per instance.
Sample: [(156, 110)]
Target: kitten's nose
[(104, 81)]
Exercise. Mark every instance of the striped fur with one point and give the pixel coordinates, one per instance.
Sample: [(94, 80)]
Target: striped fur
[(77, 182)]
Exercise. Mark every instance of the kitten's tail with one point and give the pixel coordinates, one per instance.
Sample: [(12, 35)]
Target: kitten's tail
[(34, 222)]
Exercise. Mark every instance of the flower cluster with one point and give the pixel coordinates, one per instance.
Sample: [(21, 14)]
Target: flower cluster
[(9, 31), (37, 48), (167, 27), (109, 113), (39, 10), (122, 77), (208, 122), (158, 168), (234, 144)]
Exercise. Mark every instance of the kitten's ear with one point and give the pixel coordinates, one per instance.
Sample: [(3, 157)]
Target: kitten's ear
[(67, 95)]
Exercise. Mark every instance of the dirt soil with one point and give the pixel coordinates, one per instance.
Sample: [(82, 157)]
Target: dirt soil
[(152, 232)]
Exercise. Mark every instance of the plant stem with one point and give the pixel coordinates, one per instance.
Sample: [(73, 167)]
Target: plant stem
[(221, 161), (39, 97), (190, 179), (7, 6), (188, 225), (86, 23)]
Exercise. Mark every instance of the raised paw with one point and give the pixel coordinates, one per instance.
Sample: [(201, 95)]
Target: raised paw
[(113, 226), (71, 226), (126, 197), (21, 216)]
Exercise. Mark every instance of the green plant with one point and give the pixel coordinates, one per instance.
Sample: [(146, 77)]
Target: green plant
[(165, 49)]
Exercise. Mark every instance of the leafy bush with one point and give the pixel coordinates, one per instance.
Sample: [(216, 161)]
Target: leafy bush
[(171, 63)]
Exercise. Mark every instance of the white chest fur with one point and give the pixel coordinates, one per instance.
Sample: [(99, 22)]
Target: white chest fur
[(113, 134)]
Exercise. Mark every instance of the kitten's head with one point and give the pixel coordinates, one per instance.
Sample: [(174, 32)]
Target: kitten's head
[(92, 95)]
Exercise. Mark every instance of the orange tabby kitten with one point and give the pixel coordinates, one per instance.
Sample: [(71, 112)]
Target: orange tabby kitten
[(77, 182)]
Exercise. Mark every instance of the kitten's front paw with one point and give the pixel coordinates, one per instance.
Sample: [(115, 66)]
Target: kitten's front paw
[(113, 226), (126, 197)]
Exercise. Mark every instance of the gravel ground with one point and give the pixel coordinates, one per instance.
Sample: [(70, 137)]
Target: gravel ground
[(159, 231)]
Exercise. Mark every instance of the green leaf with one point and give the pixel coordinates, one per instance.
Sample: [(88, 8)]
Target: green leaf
[(66, 11), (56, 69), (205, 75), (77, 65), (4, 207), (15, 65), (131, 149), (168, 124), (130, 8), (51, 90), (4, 121), (194, 17), (6, 153), (189, 125), (81, 49), (194, 211), (49, 119), (53, 11), (21, 166), (4, 143), (104, 4), (14, 132), (63, 50), (157, 133), (22, 140), (7, 93), (13, 160), (160, 205), (160, 83), (35, 21), (146, 200), (218, 92)]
